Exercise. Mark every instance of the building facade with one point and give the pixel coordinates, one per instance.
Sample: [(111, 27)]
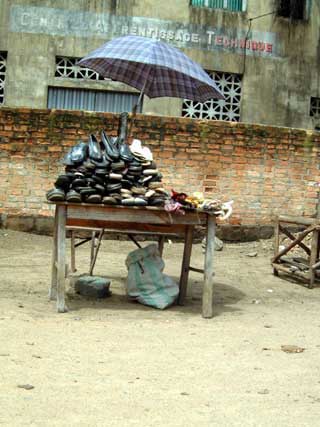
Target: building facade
[(264, 55)]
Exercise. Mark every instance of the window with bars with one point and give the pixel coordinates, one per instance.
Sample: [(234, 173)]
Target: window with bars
[(232, 5), (3, 67), (315, 107), (66, 67), (86, 99), (227, 109)]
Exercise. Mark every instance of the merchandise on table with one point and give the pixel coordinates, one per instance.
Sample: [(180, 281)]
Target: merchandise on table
[(109, 172)]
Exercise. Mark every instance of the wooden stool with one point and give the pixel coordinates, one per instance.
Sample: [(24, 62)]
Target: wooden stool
[(304, 269)]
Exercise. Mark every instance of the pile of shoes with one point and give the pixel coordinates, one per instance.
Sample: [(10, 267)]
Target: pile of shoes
[(111, 172)]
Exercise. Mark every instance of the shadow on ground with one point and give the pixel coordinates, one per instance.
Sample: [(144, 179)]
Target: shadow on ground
[(225, 297)]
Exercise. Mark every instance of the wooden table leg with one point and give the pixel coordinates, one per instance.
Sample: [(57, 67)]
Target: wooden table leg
[(313, 257), (185, 264), (53, 286), (207, 296), (73, 252), (95, 252), (276, 243), (61, 258), (161, 241), (93, 245)]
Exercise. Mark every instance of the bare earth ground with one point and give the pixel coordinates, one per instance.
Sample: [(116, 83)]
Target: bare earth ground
[(116, 363)]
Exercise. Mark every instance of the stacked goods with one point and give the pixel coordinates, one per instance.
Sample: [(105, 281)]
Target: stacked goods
[(111, 172)]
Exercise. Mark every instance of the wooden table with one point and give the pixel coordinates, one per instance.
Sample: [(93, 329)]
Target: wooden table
[(302, 268), (135, 220)]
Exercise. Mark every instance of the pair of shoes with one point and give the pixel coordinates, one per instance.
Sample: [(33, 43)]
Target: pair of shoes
[(96, 156), (56, 195)]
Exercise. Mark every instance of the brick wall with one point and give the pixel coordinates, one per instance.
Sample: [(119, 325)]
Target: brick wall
[(265, 170)]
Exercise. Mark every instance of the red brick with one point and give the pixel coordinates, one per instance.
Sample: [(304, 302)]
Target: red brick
[(229, 160)]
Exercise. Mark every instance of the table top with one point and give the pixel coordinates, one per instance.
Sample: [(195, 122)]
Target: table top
[(137, 214)]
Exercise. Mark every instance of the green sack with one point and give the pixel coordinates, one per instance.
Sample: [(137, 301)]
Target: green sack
[(146, 282)]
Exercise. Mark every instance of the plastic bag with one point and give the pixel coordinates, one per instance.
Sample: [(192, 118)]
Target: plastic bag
[(146, 282)]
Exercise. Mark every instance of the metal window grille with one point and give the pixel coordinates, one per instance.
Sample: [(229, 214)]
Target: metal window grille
[(227, 109), (91, 100), (66, 67), (232, 5), (315, 107), (3, 67)]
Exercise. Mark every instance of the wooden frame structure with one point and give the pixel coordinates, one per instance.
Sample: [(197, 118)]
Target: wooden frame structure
[(132, 220), (301, 268)]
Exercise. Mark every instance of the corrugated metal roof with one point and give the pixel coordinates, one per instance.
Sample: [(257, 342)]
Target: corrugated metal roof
[(91, 100)]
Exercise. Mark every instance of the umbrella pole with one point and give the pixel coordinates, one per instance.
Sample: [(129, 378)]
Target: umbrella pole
[(135, 108), (134, 111)]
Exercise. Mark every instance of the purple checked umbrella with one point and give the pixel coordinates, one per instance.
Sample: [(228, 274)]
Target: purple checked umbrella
[(153, 67)]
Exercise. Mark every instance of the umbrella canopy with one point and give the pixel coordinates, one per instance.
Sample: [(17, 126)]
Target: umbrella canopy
[(153, 67)]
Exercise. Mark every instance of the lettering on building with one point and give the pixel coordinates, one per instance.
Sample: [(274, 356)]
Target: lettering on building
[(63, 22)]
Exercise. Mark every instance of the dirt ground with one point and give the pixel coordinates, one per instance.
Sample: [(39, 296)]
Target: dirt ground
[(116, 363)]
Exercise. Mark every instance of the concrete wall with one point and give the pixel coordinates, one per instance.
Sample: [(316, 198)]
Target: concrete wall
[(266, 170), (277, 85)]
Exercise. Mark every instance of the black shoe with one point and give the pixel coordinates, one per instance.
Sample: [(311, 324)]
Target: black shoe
[(88, 165), (63, 181), (91, 182), (105, 161), (79, 153), (109, 146), (93, 198), (73, 197), (113, 187), (56, 195), (98, 179), (108, 200), (100, 189), (101, 172), (76, 155), (126, 184), (157, 201), (86, 191), (79, 182), (116, 166), (94, 149), (125, 153)]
